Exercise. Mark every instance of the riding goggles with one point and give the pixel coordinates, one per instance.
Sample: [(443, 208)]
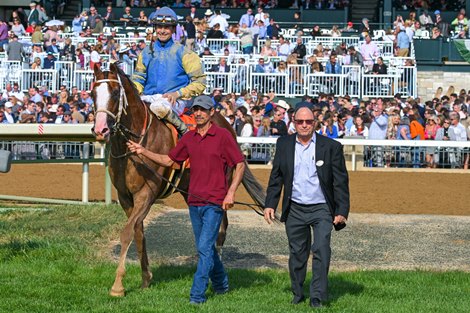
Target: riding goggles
[(164, 21)]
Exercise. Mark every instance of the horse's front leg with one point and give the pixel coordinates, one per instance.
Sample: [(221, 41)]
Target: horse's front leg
[(117, 290)]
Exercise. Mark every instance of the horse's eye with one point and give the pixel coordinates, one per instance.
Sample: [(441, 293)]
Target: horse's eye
[(115, 93)]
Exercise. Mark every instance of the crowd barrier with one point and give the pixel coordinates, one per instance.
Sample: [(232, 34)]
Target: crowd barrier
[(371, 153), (298, 80)]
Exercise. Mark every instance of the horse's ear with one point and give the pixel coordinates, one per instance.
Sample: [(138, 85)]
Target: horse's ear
[(97, 70), (113, 67)]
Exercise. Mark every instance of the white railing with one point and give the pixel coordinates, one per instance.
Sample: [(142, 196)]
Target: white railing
[(29, 132), (262, 42), (215, 80), (268, 145), (296, 83), (83, 79), (269, 82), (408, 76), (76, 40), (352, 80), (240, 77), (325, 83), (379, 85), (332, 42), (218, 45), (65, 70), (34, 78)]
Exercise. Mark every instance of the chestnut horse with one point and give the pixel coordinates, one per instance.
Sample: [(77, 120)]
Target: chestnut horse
[(120, 116)]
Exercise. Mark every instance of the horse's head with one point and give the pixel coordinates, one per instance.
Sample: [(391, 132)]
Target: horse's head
[(108, 97)]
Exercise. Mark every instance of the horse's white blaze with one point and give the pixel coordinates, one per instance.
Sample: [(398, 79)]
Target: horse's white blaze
[(102, 99)]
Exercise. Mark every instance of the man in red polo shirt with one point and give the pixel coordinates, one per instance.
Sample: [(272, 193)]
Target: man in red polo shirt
[(210, 149)]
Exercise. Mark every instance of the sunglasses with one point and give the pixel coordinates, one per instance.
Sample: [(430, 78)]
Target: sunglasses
[(301, 122)]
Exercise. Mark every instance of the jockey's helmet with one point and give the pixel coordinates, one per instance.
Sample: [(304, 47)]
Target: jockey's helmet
[(165, 17)]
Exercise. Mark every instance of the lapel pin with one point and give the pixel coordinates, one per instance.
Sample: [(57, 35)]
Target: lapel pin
[(319, 163)]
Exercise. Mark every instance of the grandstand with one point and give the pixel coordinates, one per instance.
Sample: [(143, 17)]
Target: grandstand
[(310, 54)]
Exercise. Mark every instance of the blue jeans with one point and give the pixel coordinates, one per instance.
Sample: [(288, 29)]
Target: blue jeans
[(206, 222)]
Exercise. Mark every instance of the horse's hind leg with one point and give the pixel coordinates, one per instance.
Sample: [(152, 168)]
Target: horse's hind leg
[(139, 237), (222, 232)]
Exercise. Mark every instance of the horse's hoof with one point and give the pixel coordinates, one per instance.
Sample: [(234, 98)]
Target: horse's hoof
[(146, 281), (117, 293)]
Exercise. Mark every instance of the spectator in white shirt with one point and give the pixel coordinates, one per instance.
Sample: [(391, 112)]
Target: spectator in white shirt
[(219, 19)]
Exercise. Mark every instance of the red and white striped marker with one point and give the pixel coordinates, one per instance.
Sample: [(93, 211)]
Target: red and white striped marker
[(40, 129)]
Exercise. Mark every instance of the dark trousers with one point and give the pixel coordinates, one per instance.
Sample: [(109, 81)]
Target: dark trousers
[(299, 224)]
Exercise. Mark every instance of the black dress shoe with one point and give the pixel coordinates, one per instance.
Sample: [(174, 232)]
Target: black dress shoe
[(297, 299), (315, 303)]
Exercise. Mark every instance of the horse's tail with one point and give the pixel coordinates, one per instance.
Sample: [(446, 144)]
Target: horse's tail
[(255, 190)]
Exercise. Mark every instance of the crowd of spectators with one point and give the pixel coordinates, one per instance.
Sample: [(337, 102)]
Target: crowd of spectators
[(251, 112), (305, 4), (445, 117), (442, 5)]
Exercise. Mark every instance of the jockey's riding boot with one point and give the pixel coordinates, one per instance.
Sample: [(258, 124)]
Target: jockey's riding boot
[(177, 122)]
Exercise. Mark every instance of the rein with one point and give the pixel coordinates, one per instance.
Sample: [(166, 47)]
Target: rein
[(120, 128), (250, 205)]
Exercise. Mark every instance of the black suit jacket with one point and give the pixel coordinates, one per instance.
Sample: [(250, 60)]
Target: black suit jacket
[(216, 68), (332, 174)]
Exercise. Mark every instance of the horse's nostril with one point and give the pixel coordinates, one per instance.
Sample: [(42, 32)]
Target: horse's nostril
[(105, 131)]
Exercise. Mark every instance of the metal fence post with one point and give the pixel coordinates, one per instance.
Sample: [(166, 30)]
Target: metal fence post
[(85, 172)]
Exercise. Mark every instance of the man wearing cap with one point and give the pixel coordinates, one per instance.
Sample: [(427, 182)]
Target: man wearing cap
[(98, 25), (349, 28), (210, 149), (167, 73), (33, 16), (10, 117), (49, 61)]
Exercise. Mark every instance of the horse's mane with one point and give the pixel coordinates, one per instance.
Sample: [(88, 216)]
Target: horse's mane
[(126, 78)]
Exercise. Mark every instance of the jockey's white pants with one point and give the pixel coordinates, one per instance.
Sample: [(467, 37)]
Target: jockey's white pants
[(161, 106)]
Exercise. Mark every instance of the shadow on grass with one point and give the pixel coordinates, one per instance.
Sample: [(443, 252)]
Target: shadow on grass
[(239, 278), (338, 287), (16, 248)]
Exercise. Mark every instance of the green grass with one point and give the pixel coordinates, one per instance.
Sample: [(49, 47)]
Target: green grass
[(53, 261)]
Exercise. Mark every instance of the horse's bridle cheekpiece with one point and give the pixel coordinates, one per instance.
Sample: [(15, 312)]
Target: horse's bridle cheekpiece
[(118, 127)]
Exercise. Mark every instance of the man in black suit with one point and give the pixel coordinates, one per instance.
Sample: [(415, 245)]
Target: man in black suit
[(312, 170)]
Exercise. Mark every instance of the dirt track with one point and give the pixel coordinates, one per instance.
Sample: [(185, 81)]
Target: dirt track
[(371, 241), (371, 192)]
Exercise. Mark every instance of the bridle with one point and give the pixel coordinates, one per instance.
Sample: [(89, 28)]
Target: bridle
[(118, 127)]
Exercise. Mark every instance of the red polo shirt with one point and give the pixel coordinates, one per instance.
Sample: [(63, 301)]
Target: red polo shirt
[(209, 157)]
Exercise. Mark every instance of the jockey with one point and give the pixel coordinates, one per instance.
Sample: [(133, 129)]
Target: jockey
[(167, 74)]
